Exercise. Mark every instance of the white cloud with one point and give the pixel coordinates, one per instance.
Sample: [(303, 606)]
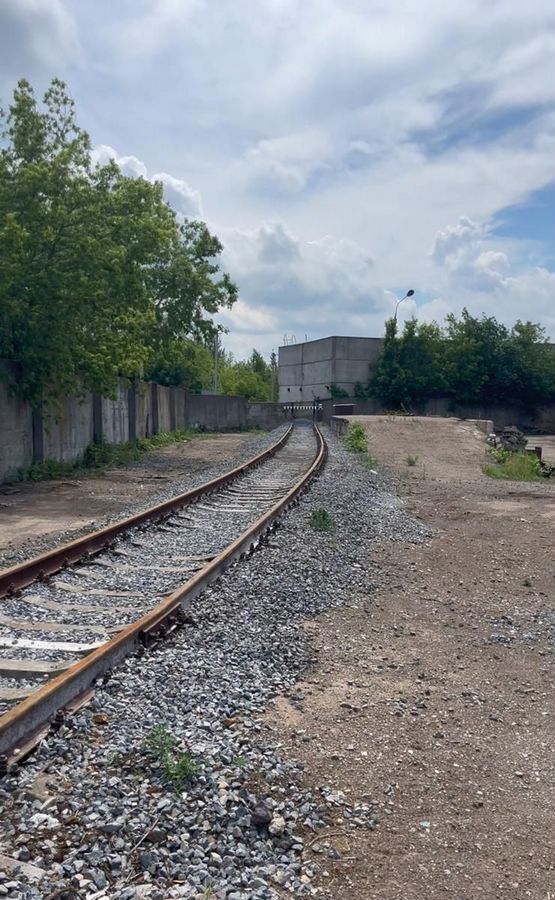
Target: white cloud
[(333, 142), (474, 269), (185, 200)]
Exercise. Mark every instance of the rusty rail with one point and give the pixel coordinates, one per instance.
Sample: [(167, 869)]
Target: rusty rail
[(21, 725)]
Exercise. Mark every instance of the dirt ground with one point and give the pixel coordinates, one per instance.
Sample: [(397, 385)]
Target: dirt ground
[(29, 510), (433, 696)]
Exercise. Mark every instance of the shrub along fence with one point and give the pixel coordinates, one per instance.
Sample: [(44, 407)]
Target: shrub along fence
[(141, 410)]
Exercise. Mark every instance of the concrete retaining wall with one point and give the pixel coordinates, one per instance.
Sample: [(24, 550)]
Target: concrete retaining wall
[(115, 417)]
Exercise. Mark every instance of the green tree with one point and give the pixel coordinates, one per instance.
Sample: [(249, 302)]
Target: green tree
[(97, 279), (182, 362), (250, 378), (532, 364), (411, 367), (473, 360)]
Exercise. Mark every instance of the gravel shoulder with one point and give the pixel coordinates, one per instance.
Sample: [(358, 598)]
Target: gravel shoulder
[(35, 516)]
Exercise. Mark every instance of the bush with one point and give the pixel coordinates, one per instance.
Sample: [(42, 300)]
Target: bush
[(514, 466), (355, 439)]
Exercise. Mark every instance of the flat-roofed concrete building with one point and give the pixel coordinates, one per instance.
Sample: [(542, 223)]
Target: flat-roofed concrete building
[(307, 370)]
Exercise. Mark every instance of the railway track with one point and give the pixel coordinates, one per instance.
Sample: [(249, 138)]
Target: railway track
[(69, 616)]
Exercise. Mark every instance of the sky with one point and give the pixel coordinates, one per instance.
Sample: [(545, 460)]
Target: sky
[(344, 151)]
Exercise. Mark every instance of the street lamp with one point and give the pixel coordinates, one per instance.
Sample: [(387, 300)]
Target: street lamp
[(407, 295)]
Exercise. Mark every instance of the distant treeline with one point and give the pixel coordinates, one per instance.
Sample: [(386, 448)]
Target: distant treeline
[(472, 360), (98, 277)]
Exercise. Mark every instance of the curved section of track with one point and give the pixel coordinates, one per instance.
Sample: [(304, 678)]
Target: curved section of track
[(137, 589)]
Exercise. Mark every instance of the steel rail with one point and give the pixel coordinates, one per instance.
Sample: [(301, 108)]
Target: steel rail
[(39, 567), (29, 718)]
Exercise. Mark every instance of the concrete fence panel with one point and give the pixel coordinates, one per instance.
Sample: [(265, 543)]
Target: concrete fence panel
[(66, 435), (115, 417), (16, 432), (143, 411), (164, 408)]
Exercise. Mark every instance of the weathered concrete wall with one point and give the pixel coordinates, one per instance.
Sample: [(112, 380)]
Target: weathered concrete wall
[(215, 413), (143, 415), (164, 408), (115, 417), (178, 398), (66, 436), (16, 431)]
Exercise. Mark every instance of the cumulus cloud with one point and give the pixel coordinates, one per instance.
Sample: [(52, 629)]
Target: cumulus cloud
[(333, 142), (480, 274), (185, 200)]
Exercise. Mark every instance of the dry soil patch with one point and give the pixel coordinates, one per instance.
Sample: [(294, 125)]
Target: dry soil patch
[(433, 695)]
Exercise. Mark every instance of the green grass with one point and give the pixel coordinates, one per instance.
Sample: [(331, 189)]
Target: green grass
[(103, 456), (355, 439), (514, 466), (370, 462), (179, 765), (321, 520), (411, 460)]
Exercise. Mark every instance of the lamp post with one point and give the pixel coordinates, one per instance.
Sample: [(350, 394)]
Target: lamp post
[(407, 295)]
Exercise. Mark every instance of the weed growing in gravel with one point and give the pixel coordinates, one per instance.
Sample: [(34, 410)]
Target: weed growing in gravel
[(514, 466), (355, 439), (411, 460), (369, 461), (321, 520), (179, 766)]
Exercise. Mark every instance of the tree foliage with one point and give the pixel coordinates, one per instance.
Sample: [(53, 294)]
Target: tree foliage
[(98, 278), (253, 378), (471, 360)]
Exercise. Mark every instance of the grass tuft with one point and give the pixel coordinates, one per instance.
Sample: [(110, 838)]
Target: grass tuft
[(411, 460), (355, 439), (179, 765), (321, 520)]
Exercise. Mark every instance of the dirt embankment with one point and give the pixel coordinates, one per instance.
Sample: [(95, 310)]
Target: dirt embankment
[(433, 696)]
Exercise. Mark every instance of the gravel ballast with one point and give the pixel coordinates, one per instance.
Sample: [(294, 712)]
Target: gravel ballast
[(116, 821)]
